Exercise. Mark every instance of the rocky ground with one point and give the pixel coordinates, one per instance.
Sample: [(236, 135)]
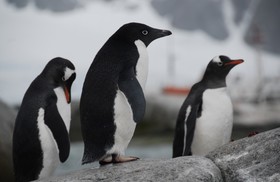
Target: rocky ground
[(253, 159), (250, 159)]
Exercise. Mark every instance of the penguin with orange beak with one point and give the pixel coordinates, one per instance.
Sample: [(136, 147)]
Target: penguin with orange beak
[(206, 117), (40, 138)]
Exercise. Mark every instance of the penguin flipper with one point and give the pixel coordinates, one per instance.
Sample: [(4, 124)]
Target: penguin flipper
[(54, 121), (191, 121), (186, 121), (132, 89)]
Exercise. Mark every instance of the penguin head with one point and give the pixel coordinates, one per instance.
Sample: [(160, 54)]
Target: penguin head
[(219, 67), (137, 31), (60, 72)]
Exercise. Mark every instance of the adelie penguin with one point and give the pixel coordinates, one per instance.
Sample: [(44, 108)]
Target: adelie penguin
[(112, 100), (40, 138), (206, 117)]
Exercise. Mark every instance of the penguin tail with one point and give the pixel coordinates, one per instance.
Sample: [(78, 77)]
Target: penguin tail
[(92, 156), (88, 159)]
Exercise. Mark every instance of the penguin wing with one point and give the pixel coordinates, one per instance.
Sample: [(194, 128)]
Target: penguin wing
[(185, 126), (190, 122), (54, 121), (132, 89)]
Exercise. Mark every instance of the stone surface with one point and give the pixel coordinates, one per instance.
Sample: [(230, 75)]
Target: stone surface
[(261, 17), (264, 28), (251, 159), (7, 119), (187, 169), (192, 15)]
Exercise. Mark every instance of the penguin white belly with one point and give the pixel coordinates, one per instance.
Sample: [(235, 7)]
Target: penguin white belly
[(49, 147), (214, 127), (142, 63), (124, 122), (63, 107)]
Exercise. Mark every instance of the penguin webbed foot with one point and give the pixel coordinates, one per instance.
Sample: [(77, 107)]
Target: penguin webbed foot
[(117, 159), (253, 133), (107, 160), (121, 159)]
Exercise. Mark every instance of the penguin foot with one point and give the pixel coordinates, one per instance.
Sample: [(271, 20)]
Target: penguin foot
[(117, 159), (253, 133), (121, 159), (107, 160)]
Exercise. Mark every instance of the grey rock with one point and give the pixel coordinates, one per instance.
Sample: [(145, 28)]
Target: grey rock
[(188, 169), (56, 6), (162, 110), (209, 16), (240, 8), (265, 27), (194, 15), (7, 119), (250, 159)]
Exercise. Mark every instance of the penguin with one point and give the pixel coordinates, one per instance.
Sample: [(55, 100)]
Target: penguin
[(205, 119), (112, 100), (40, 137)]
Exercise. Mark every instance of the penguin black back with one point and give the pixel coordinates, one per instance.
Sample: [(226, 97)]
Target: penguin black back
[(192, 108), (27, 147)]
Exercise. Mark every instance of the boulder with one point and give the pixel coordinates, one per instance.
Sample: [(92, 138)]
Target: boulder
[(7, 119), (187, 169), (255, 158)]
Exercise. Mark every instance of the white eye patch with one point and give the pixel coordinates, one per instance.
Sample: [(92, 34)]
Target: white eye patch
[(67, 73), (217, 59)]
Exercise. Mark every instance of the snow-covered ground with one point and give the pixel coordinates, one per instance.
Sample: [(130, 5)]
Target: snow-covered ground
[(31, 37)]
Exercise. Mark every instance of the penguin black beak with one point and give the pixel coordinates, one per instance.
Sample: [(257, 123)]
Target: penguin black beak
[(162, 33), (235, 62)]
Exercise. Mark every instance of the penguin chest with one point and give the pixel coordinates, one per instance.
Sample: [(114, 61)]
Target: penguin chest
[(48, 145), (125, 126), (142, 63), (63, 107), (214, 126)]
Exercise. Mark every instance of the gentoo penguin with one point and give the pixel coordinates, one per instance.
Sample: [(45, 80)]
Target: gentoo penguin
[(112, 100), (206, 116), (40, 138)]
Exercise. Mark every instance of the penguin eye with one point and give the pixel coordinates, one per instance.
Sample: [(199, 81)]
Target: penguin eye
[(63, 78), (145, 32), (220, 63)]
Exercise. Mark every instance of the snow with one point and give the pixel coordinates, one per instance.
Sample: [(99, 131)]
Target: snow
[(31, 37)]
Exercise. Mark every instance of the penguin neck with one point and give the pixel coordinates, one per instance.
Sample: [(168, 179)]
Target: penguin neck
[(142, 63), (48, 78), (214, 81)]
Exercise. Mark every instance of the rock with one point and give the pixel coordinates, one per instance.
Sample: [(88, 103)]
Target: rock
[(194, 15), (7, 119), (162, 109), (188, 169), (262, 32), (251, 159)]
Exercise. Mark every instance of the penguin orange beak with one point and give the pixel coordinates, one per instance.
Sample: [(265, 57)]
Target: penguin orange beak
[(67, 87), (235, 62), (67, 94)]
